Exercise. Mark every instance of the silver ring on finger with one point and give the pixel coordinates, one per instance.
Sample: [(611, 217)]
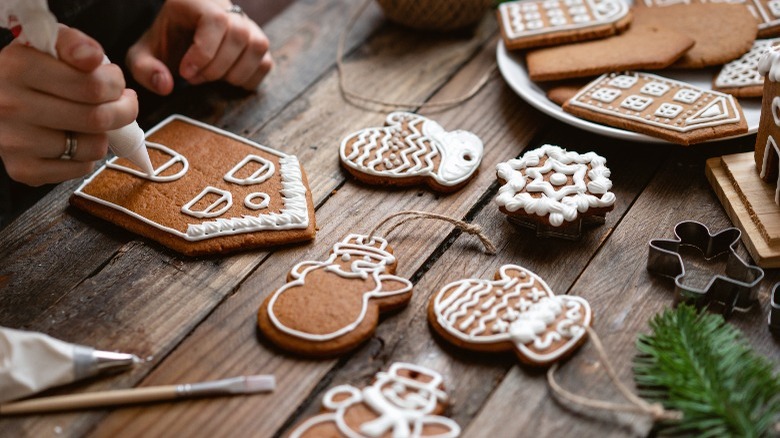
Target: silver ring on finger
[(235, 9), (71, 144)]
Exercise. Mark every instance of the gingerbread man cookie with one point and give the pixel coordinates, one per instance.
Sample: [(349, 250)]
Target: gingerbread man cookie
[(412, 150), (330, 307), (516, 311), (404, 402)]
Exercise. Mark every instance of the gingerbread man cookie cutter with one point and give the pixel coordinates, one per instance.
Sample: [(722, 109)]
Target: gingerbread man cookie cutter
[(736, 290)]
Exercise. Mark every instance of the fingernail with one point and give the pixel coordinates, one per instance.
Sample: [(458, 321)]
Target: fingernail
[(157, 79), (189, 71), (85, 51)]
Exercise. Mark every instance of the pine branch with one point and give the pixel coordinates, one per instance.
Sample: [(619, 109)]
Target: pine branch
[(703, 367)]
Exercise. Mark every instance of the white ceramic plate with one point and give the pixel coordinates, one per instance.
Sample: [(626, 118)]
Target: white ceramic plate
[(512, 67)]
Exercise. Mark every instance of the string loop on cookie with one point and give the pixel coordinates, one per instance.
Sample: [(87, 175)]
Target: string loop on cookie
[(466, 227), (361, 100), (637, 405)]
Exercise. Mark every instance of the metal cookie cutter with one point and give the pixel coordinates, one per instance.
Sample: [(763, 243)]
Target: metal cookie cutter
[(774, 310), (736, 290)]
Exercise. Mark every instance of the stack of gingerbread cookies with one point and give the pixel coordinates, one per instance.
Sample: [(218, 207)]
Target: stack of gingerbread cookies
[(595, 58)]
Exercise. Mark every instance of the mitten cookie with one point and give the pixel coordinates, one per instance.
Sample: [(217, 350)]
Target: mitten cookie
[(516, 311), (406, 401), (538, 23), (672, 110), (553, 187), (330, 307), (412, 150), (211, 192)]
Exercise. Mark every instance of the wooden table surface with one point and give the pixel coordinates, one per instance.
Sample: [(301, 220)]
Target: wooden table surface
[(86, 281)]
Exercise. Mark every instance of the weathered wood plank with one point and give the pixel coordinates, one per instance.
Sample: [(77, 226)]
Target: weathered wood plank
[(624, 296), (227, 342)]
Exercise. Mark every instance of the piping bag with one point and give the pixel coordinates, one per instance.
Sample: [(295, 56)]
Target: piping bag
[(33, 24), (31, 362)]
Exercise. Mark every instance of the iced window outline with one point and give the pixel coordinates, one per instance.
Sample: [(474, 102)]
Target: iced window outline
[(225, 197), (656, 89), (175, 158), (266, 170), (623, 81), (668, 110), (636, 103), (606, 95), (687, 95), (250, 204)]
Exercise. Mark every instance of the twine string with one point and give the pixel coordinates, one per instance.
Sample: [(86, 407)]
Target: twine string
[(411, 215), (358, 99), (638, 406)]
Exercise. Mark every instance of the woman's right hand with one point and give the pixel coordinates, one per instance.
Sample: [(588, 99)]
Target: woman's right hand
[(42, 99)]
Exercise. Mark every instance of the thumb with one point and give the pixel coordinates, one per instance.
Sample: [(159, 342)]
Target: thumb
[(147, 70)]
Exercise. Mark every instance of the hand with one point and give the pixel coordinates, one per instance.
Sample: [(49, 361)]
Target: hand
[(42, 97), (203, 42)]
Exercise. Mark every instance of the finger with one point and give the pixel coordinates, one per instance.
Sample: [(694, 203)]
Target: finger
[(209, 33), (251, 60), (104, 84), (265, 66), (36, 142), (233, 44), (78, 50), (59, 114), (148, 70), (37, 172)]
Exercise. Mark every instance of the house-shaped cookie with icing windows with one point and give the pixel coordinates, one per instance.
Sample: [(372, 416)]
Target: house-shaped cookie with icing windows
[(212, 192)]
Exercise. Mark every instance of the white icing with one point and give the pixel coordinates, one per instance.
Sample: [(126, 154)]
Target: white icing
[(368, 261), (250, 203), (771, 150), (175, 158), (769, 64), (520, 313), (403, 405), (413, 150), (293, 215), (525, 176), (260, 175), (743, 71), (696, 102), (211, 210), (767, 12), (517, 23)]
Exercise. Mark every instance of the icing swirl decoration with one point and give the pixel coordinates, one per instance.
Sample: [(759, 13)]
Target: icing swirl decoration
[(412, 149), (401, 403), (553, 182), (515, 311)]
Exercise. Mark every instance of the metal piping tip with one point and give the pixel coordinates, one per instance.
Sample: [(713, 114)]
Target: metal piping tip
[(89, 362)]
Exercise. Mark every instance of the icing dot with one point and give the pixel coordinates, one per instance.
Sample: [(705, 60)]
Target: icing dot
[(558, 179), (393, 156), (345, 257), (394, 148), (367, 258), (397, 162), (477, 313)]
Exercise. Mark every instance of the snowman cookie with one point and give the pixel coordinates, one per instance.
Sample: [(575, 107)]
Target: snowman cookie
[(412, 150), (406, 401), (515, 311), (330, 307)]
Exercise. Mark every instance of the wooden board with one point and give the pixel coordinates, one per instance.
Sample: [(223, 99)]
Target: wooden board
[(757, 195), (763, 254)]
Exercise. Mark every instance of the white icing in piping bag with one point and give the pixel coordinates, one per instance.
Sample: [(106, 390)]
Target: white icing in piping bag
[(36, 26)]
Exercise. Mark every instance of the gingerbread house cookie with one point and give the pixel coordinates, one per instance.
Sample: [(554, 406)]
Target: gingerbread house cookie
[(211, 192), (515, 311), (767, 152), (538, 23), (410, 150), (329, 307), (553, 190), (741, 77), (650, 104), (406, 401)]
